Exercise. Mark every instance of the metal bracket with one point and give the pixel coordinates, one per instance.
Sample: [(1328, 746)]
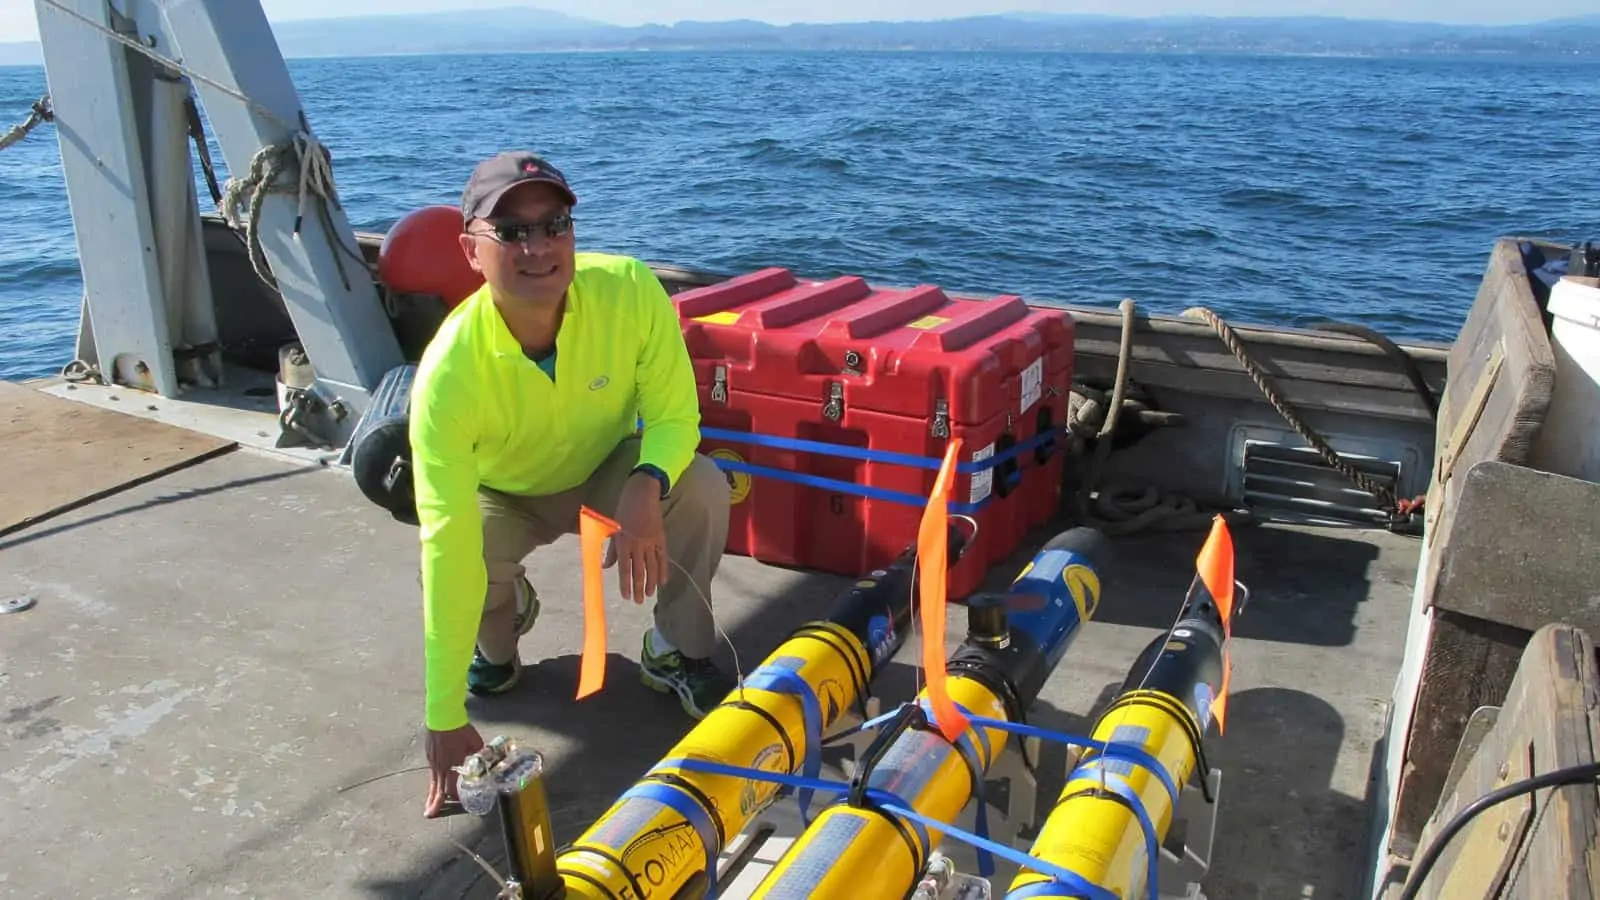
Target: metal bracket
[(834, 408), (1186, 853), (856, 743), (942, 881), (719, 384), (1012, 770), (941, 418), (311, 416)]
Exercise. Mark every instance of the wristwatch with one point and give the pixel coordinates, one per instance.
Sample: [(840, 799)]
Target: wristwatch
[(657, 474)]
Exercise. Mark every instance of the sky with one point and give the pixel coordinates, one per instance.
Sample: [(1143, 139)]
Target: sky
[(17, 16)]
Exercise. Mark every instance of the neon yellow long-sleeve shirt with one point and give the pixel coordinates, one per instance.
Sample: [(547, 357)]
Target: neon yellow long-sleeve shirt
[(483, 413)]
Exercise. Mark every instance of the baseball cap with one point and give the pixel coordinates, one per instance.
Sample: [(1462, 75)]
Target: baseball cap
[(500, 173)]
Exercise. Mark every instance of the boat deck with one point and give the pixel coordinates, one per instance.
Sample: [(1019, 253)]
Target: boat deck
[(218, 692)]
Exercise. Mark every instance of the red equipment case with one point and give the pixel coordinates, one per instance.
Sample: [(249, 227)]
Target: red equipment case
[(837, 380)]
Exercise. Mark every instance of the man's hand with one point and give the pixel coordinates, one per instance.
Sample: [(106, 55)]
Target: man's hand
[(641, 546), (447, 749)]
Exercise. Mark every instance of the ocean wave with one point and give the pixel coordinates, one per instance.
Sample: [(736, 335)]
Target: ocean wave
[(1270, 189)]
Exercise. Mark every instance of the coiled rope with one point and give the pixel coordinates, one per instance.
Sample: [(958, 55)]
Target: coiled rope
[(1127, 507), (309, 171)]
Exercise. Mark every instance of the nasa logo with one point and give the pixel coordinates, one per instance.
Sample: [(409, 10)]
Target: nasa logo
[(1202, 702), (1084, 586), (880, 638)]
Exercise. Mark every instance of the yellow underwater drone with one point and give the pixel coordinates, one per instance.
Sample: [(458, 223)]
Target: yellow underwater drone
[(878, 835)]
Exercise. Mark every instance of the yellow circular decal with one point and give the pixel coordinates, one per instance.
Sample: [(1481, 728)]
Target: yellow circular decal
[(738, 482), (1084, 586)]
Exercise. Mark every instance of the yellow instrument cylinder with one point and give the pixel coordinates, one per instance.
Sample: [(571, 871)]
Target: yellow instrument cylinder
[(1093, 831), (643, 847), (1097, 836), (860, 852)]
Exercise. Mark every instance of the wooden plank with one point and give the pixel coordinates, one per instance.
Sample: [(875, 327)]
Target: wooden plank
[(1332, 360), (1504, 317), (1523, 576), (1448, 451), (1504, 331), (1501, 375), (1468, 664), (60, 454), (1426, 354), (1235, 385), (1544, 844)]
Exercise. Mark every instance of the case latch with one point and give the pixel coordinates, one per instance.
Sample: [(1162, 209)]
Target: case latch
[(941, 418), (719, 384), (834, 408)]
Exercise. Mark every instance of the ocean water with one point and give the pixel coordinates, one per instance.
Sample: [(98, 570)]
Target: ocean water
[(1272, 189)]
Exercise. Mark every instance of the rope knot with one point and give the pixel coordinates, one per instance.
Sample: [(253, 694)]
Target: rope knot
[(1086, 411), (316, 174), (300, 166)]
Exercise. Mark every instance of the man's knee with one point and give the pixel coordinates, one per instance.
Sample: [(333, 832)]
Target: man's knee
[(508, 534), (703, 485)]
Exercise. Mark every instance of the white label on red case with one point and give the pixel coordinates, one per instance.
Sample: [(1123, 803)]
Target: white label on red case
[(983, 479), (1032, 384)]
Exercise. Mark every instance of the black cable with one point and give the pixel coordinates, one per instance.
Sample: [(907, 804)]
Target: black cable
[(1408, 366), (197, 131), (1556, 778)]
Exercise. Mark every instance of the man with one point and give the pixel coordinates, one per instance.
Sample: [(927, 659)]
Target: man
[(525, 407)]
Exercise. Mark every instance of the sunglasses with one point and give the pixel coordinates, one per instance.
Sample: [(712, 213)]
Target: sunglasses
[(556, 226)]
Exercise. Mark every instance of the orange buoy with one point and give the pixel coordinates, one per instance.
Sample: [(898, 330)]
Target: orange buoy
[(422, 254)]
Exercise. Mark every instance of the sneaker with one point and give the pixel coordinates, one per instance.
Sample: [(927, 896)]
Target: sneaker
[(698, 683), (484, 677)]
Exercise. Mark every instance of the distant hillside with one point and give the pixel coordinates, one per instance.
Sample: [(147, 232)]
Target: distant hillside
[(525, 29), (507, 28)]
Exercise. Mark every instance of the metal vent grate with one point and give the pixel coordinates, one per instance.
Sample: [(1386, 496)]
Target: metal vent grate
[(1297, 480)]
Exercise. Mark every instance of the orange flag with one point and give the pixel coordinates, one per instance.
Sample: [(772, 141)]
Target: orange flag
[(593, 530), (1215, 567), (933, 555)]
